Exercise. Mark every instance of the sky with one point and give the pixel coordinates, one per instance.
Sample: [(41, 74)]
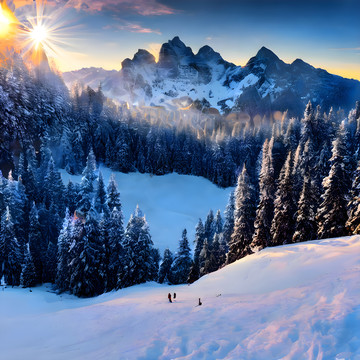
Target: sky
[(101, 33)]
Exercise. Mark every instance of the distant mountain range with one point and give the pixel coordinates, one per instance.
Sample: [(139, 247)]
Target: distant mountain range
[(205, 80)]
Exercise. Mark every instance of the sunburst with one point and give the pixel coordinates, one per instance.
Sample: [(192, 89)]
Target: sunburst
[(44, 29)]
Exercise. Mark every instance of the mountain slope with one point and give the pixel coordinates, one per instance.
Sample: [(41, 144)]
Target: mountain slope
[(264, 85), (299, 301)]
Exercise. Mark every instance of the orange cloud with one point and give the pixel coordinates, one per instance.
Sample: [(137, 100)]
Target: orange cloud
[(142, 7), (133, 27)]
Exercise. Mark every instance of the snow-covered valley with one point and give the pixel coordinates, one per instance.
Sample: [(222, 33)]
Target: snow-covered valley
[(171, 202), (298, 301)]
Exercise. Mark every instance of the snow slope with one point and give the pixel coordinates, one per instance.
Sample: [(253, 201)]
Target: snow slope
[(299, 301), (170, 202)]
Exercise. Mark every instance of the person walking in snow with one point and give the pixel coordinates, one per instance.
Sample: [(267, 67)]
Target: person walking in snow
[(169, 297), (174, 296), (200, 303)]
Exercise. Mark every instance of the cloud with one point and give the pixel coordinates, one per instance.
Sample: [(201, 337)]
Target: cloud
[(133, 27), (117, 7)]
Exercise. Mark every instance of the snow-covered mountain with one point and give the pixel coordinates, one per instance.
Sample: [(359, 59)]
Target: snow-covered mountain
[(181, 78), (299, 301)]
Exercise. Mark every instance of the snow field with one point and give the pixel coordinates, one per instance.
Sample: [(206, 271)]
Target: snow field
[(170, 202), (297, 301)]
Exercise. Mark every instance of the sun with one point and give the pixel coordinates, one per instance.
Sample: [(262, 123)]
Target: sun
[(7, 20), (39, 35)]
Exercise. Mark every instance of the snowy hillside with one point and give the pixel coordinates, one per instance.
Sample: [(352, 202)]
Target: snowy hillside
[(291, 302), (171, 202)]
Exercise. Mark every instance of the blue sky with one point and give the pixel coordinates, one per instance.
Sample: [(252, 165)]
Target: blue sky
[(325, 33)]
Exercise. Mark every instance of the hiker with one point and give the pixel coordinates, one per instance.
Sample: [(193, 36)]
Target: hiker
[(169, 297), (200, 303), (174, 296)]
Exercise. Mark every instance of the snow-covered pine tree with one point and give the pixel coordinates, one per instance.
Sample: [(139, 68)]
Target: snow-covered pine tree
[(332, 213), (244, 218), (71, 197), (10, 251), (165, 267), (101, 197), (37, 244), (113, 195), (28, 274), (283, 224), (87, 184), (62, 273), (138, 260), (306, 226), (49, 274), (353, 222), (228, 227), (218, 223), (209, 227), (265, 209), (115, 247), (76, 263), (199, 243), (180, 268)]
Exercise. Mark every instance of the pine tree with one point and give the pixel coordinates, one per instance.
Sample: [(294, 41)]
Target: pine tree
[(204, 258), (76, 263), (353, 222), (115, 247), (209, 226), (10, 252), (64, 242), (28, 275), (265, 209), (49, 274), (228, 227), (306, 227), (199, 243), (332, 213), (87, 184), (113, 195), (283, 224), (100, 196), (37, 244), (138, 246), (218, 223), (244, 218), (180, 268)]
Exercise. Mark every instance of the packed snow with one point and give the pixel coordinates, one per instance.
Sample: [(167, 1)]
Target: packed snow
[(297, 301), (170, 202)]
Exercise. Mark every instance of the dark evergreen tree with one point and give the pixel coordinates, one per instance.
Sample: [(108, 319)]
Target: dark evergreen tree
[(180, 268), (228, 227), (283, 224), (353, 222), (306, 227), (332, 213), (28, 275), (63, 259), (100, 196), (199, 243), (50, 270), (244, 218), (115, 247), (113, 195), (265, 209), (10, 251), (209, 226), (138, 246), (37, 245), (218, 223)]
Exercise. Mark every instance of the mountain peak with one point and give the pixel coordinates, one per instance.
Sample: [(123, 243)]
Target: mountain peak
[(266, 54), (177, 42)]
